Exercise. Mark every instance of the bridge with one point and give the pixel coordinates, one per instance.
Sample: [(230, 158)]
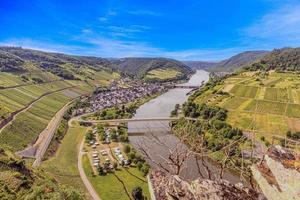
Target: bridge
[(183, 86), (150, 119)]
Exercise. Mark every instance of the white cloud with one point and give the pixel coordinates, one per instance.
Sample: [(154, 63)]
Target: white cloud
[(87, 31), (280, 27), (104, 47), (39, 45), (102, 19)]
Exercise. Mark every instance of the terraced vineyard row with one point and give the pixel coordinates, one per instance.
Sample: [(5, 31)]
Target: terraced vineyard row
[(27, 125), (262, 103)]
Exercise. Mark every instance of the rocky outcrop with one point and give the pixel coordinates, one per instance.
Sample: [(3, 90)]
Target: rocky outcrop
[(167, 187), (278, 175)]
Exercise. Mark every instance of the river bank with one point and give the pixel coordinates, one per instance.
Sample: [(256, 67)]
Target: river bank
[(155, 137)]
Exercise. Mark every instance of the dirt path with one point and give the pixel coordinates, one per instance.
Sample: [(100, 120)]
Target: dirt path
[(84, 178)]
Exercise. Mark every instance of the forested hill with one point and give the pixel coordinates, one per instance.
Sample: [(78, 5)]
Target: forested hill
[(228, 65), (19, 181), (140, 67), (239, 60), (16, 59), (285, 59), (200, 64)]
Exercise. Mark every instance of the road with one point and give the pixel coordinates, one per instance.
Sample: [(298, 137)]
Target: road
[(47, 134), (83, 177)]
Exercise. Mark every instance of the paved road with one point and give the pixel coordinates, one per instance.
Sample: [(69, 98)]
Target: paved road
[(47, 134), (84, 178)]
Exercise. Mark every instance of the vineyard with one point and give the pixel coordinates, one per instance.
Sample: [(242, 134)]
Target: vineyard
[(264, 103)]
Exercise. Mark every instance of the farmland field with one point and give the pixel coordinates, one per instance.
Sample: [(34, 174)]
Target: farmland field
[(262, 103), (40, 101), (162, 74)]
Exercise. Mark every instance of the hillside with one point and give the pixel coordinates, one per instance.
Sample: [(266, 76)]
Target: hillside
[(200, 64), (34, 85), (20, 181), (264, 103), (16, 59), (230, 64), (144, 67), (285, 59), (239, 60)]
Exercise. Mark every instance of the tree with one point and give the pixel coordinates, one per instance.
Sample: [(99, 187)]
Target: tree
[(127, 148), (115, 165), (137, 193), (131, 155), (145, 169), (89, 136), (101, 171), (114, 135), (139, 165)]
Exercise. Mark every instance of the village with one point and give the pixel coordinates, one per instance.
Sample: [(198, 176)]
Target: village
[(107, 98)]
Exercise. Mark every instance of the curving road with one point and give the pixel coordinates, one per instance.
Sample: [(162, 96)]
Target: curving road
[(83, 177)]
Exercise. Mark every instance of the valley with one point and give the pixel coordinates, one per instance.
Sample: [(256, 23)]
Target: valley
[(66, 122)]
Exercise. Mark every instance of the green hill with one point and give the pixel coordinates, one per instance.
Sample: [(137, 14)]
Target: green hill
[(19, 181), (143, 68), (228, 65), (16, 59), (235, 62), (286, 59)]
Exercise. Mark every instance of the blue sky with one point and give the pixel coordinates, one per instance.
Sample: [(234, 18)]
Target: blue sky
[(184, 30)]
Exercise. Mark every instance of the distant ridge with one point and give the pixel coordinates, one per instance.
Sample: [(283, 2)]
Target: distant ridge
[(228, 65), (239, 60), (200, 64), (14, 60)]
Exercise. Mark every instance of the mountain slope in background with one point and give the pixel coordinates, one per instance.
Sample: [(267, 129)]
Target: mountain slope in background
[(17, 59), (285, 59), (200, 64), (239, 60), (139, 67), (229, 65)]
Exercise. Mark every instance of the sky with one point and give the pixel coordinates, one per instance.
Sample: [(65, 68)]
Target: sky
[(181, 29)]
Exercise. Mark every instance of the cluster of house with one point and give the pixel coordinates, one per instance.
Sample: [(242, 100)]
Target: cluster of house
[(117, 96)]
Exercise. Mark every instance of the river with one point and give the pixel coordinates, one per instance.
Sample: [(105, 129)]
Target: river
[(155, 137)]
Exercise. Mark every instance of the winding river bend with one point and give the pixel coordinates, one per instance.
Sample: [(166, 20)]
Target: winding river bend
[(155, 137)]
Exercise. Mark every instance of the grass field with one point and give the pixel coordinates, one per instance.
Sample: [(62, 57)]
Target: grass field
[(162, 74), (262, 103), (63, 165), (109, 187)]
